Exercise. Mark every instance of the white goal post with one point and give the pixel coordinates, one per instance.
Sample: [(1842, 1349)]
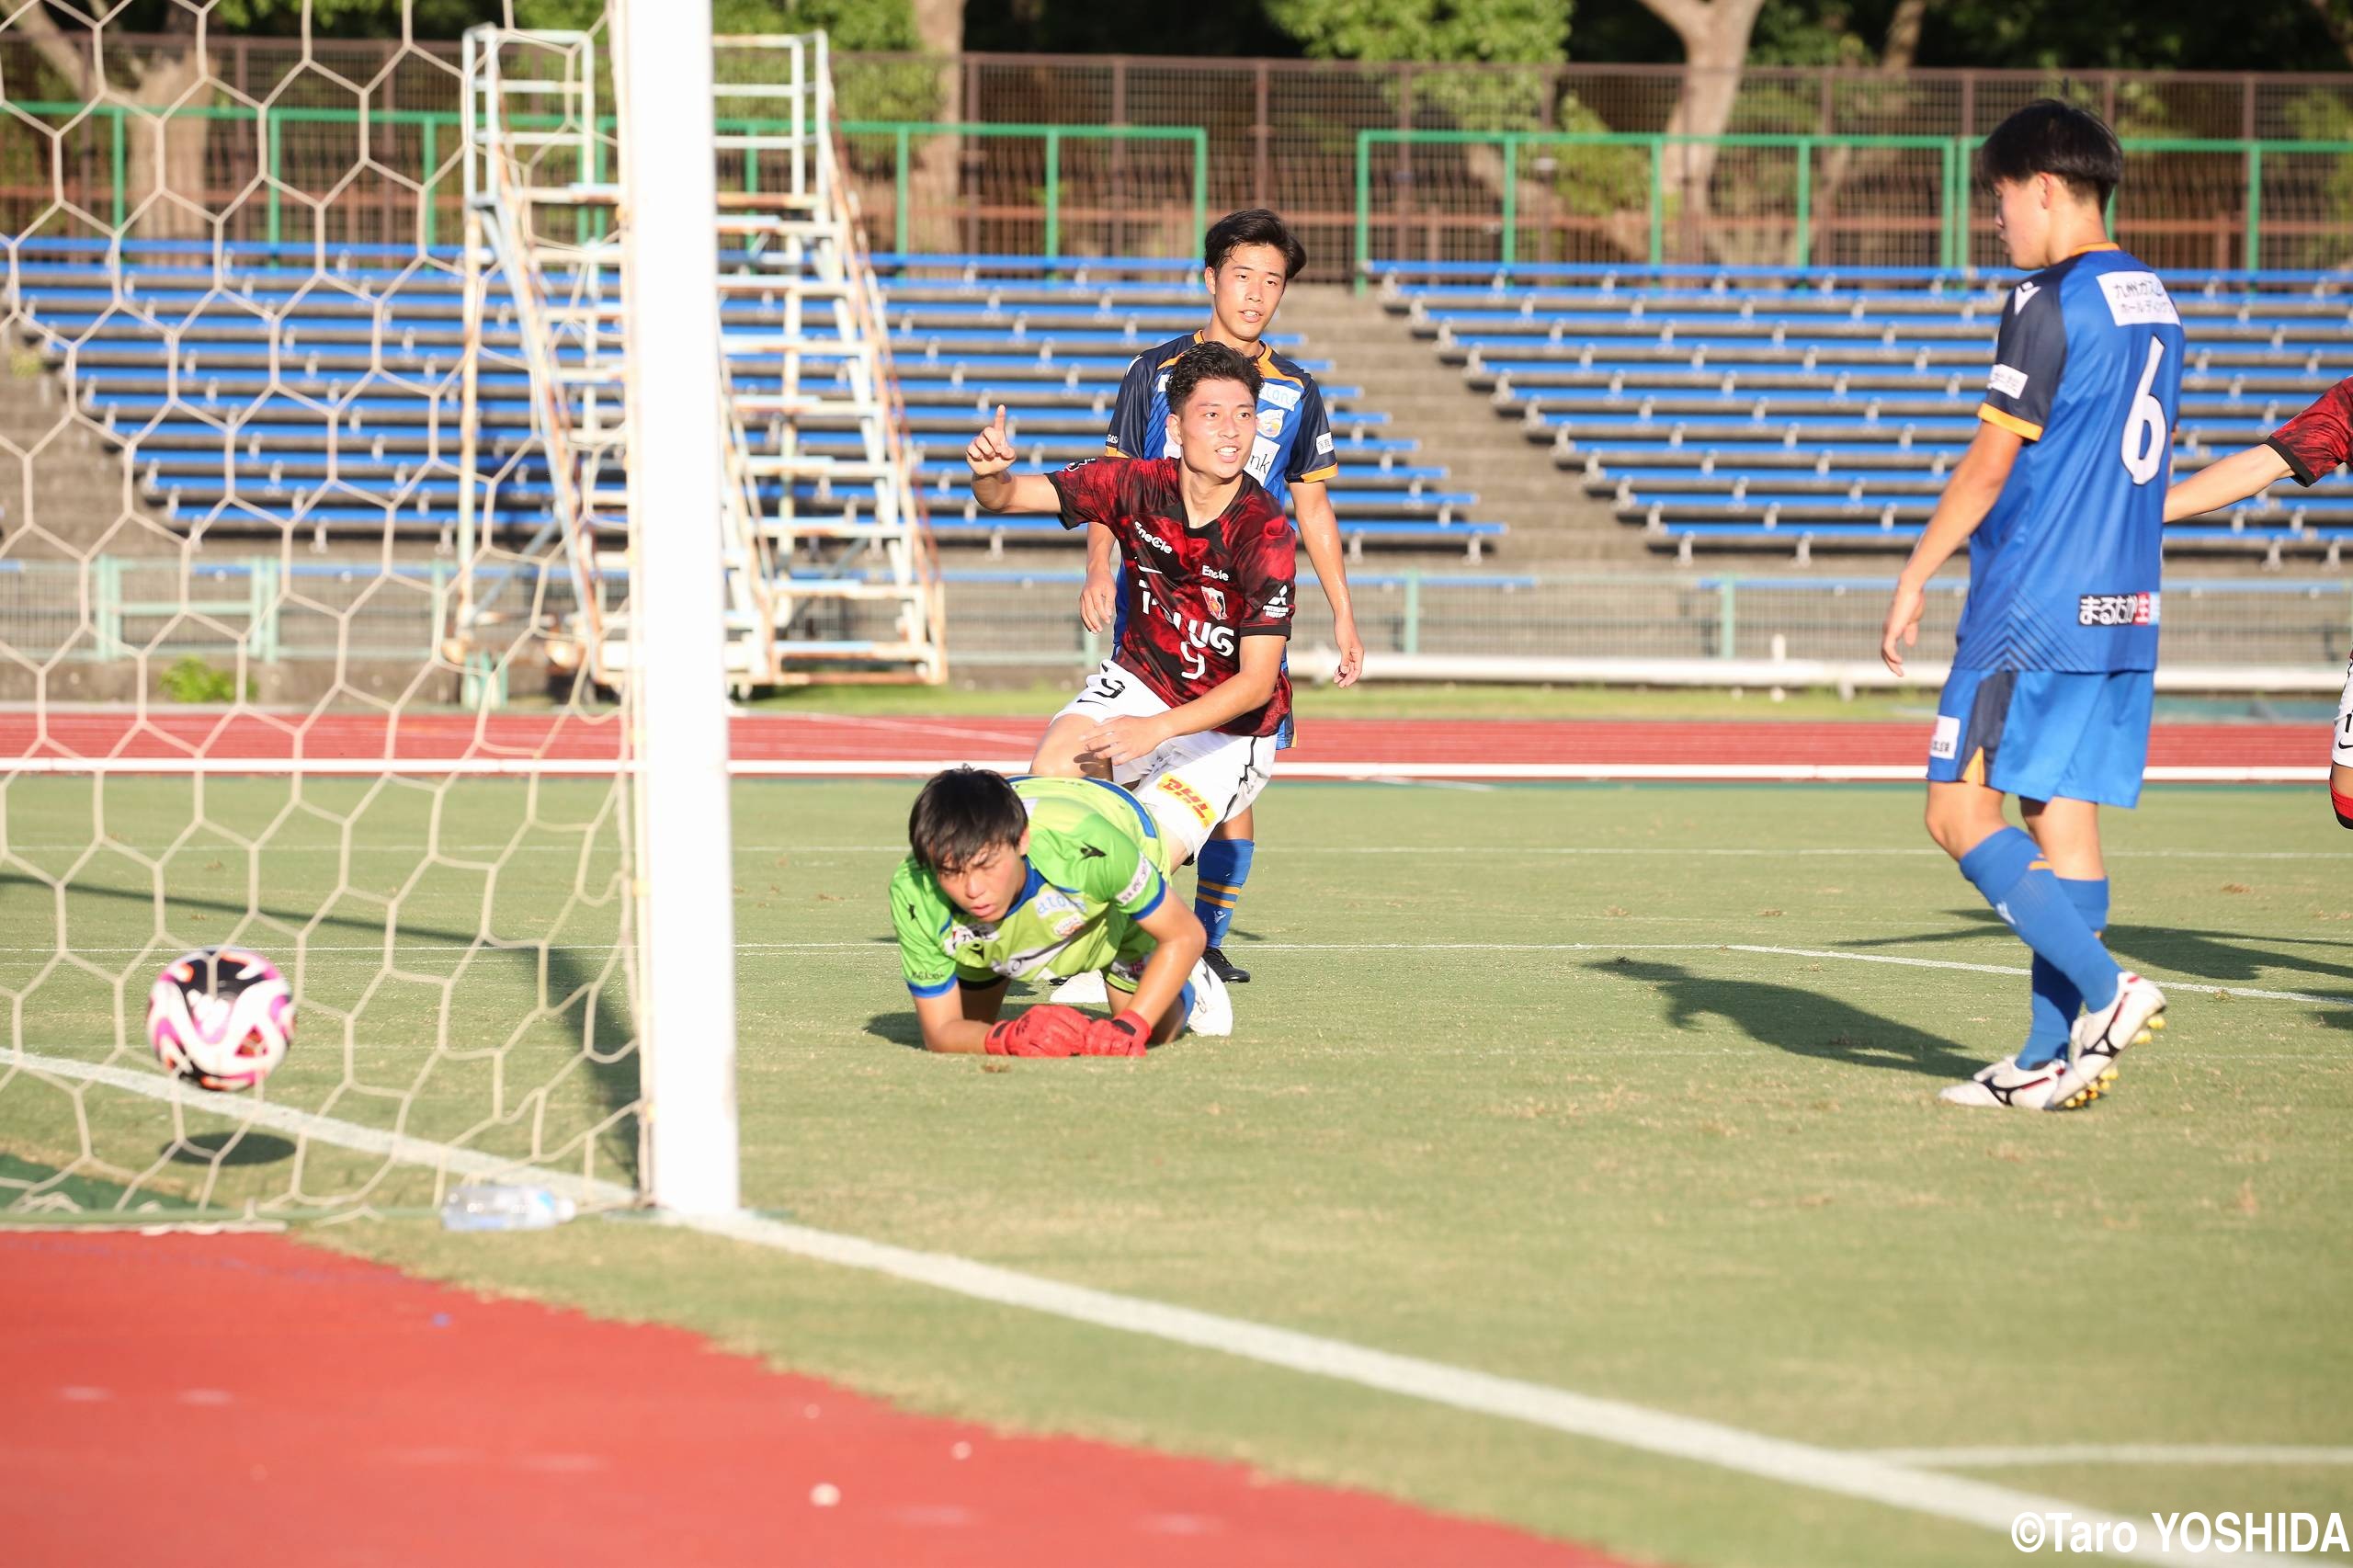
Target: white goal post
[(663, 61)]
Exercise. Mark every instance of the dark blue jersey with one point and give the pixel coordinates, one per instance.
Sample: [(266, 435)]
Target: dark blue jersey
[(2063, 570), (1294, 440)]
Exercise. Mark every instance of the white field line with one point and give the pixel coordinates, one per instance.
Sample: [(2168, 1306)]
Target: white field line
[(787, 767), (1689, 1438), (1515, 850), (884, 949), (2115, 1453)]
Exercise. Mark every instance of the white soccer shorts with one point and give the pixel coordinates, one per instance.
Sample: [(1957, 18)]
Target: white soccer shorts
[(1191, 784), (2340, 750)]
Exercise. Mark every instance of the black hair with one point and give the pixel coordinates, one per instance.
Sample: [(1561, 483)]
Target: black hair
[(1254, 226), (2048, 137), (1208, 362), (962, 814)]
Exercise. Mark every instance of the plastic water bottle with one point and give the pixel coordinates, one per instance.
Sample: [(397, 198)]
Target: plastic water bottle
[(490, 1206)]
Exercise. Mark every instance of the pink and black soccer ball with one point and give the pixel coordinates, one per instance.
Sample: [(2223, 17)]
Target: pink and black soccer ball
[(221, 1018)]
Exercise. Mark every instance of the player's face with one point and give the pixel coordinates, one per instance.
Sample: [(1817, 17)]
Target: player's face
[(986, 886), (1217, 429), (1244, 290), (2022, 218)]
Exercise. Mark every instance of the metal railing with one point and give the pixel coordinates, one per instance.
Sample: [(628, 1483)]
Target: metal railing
[(1628, 190), (1123, 208), (272, 610), (1281, 134)]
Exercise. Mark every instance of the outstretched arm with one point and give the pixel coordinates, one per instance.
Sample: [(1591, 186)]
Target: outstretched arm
[(2218, 485), (1975, 485), (989, 455)]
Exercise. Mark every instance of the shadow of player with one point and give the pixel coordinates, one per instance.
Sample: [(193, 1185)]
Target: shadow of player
[(2222, 957), (896, 1028), (1793, 1018)]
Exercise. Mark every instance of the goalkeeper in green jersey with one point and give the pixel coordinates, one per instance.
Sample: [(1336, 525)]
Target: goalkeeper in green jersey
[(1041, 879)]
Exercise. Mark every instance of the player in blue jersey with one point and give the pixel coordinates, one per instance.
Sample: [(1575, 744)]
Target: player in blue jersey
[(1248, 260), (2060, 499)]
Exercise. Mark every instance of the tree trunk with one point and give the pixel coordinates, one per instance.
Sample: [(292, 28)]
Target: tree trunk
[(158, 155), (936, 179), (1902, 48), (1715, 35), (168, 156)]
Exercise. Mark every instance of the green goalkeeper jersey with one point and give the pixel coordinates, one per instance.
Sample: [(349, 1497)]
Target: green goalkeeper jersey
[(1097, 865)]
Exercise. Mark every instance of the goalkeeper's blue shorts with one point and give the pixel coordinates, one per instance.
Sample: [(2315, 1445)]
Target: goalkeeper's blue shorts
[(2045, 734)]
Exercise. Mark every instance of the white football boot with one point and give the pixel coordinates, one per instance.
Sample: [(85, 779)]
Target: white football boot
[(1212, 1011), (2099, 1038), (2006, 1084), (1086, 989)]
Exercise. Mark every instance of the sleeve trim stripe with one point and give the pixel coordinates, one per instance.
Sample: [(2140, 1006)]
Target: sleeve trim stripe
[(1159, 896), (2010, 421), (942, 989), (1329, 470), (2296, 465), (1282, 631)]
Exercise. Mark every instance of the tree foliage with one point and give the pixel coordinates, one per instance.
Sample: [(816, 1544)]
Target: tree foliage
[(1517, 32)]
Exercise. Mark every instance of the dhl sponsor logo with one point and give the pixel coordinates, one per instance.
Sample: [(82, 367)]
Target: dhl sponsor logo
[(1190, 796)]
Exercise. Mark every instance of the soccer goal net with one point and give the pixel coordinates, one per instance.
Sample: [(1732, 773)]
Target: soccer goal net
[(314, 615)]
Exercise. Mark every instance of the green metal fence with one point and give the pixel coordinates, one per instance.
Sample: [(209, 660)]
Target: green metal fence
[(904, 136), (408, 159), (1469, 195)]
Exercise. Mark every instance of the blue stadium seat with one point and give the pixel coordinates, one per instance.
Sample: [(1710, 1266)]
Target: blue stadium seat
[(264, 387), (1777, 408)]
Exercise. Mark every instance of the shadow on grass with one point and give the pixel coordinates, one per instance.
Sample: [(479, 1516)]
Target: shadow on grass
[(1803, 1022), (898, 1028), (557, 972), (239, 1146), (2221, 956)]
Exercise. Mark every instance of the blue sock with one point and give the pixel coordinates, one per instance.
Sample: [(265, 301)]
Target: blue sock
[(1224, 865), (2056, 1000), (1184, 1009), (2013, 877)]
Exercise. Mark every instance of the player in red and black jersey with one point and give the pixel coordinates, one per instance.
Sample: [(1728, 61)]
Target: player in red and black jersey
[(2307, 448), (1186, 711)]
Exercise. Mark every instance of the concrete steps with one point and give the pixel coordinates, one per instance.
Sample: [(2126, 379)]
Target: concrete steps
[(1554, 523)]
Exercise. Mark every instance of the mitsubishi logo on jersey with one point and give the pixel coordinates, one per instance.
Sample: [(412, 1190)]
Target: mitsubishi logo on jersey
[(2022, 293)]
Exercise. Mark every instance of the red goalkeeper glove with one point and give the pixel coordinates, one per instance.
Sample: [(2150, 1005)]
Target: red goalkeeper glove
[(1048, 1030), (1126, 1035)]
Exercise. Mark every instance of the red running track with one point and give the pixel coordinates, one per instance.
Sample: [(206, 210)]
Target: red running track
[(1434, 745), (241, 1398)]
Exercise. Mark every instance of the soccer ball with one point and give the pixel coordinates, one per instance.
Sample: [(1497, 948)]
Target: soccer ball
[(221, 1018)]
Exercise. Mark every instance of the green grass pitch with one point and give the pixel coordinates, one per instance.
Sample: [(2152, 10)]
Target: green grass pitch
[(1514, 1090)]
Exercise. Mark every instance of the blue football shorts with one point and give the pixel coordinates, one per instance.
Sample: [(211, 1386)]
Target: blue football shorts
[(2045, 734)]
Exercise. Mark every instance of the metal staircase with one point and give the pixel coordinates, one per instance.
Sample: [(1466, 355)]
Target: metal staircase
[(830, 572)]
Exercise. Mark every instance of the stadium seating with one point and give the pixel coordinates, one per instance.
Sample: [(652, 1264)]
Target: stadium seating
[(276, 389), (1758, 408)]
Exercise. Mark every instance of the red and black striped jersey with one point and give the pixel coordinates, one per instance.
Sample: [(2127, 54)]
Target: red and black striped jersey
[(2318, 439), (1192, 594)]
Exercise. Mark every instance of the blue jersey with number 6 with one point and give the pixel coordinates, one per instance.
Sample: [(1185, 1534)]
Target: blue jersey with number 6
[(2063, 571)]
